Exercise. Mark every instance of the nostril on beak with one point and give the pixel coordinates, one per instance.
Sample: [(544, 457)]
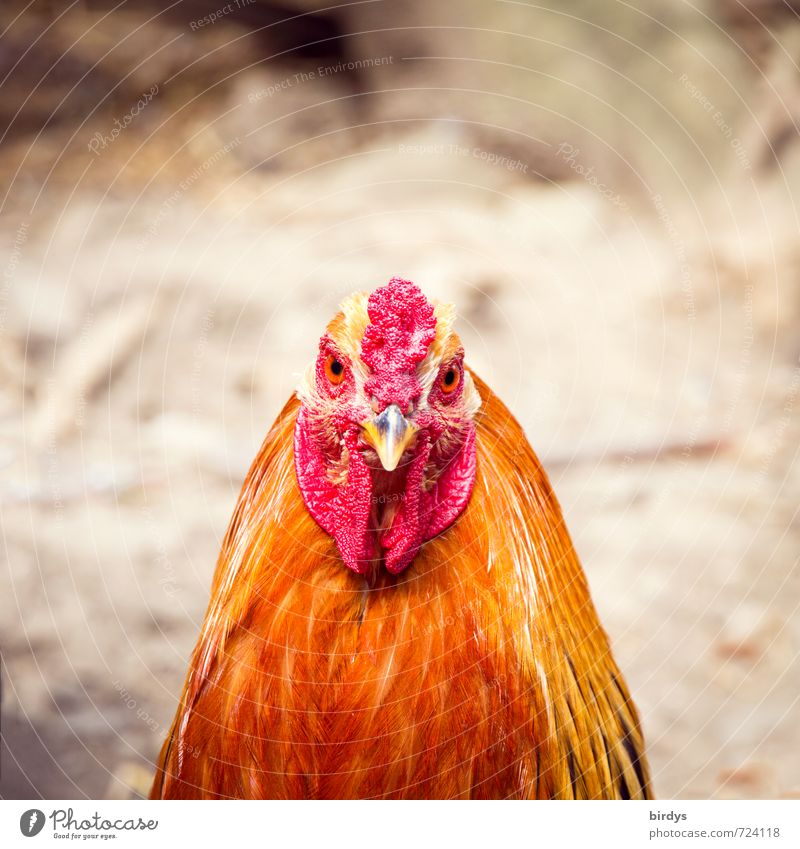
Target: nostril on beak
[(389, 433)]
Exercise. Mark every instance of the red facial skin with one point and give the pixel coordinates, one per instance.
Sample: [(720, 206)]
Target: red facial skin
[(372, 514)]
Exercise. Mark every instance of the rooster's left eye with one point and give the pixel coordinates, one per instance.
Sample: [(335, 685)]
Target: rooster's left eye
[(450, 379), (334, 370)]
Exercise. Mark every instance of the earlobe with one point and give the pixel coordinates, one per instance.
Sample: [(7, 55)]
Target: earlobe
[(472, 398), (306, 387)]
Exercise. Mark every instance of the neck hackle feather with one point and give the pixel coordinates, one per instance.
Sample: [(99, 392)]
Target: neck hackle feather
[(481, 672)]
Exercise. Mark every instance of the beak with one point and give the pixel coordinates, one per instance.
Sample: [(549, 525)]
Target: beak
[(389, 434)]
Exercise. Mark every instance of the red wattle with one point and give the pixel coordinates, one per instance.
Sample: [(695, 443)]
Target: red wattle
[(342, 511)]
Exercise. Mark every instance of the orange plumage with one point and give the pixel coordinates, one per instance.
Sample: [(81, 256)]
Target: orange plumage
[(481, 671)]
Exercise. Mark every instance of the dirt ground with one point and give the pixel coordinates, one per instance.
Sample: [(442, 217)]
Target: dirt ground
[(609, 201)]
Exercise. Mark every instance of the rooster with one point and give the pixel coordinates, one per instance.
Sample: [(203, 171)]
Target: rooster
[(397, 609)]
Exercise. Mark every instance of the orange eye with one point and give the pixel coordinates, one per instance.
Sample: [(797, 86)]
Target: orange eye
[(450, 380), (334, 370)]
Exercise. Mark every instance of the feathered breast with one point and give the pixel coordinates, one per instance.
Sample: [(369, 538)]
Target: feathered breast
[(481, 671)]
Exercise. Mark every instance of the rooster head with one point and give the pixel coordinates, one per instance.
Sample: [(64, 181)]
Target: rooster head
[(384, 443)]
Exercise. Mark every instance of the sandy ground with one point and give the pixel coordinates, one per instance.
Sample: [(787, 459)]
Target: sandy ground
[(162, 295)]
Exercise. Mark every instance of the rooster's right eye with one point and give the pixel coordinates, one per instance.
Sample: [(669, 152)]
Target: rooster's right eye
[(334, 370)]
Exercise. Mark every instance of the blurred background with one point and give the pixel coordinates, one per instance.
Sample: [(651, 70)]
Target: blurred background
[(607, 191)]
